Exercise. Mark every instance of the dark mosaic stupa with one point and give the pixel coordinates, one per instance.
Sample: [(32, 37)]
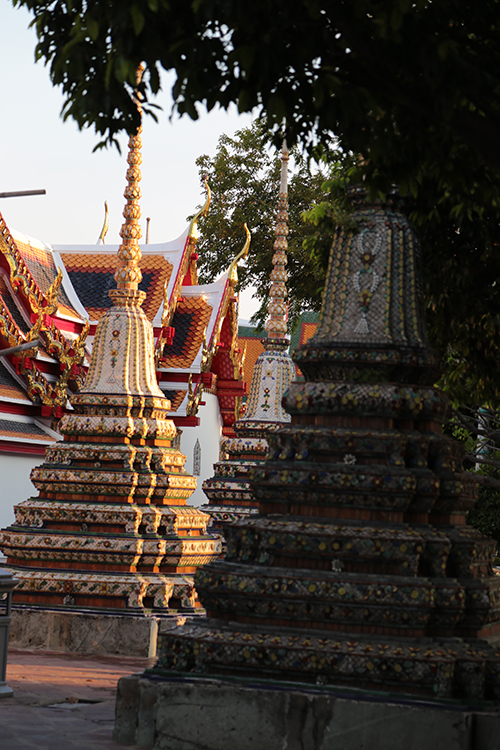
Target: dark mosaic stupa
[(359, 569)]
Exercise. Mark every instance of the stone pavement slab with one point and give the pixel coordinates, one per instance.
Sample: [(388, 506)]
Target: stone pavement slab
[(62, 701)]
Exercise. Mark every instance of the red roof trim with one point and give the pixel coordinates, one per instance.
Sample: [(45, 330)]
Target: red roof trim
[(6, 446)]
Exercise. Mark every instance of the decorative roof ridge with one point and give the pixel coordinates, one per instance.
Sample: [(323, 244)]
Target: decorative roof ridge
[(13, 328), (105, 225), (231, 281), (27, 239), (35, 383), (233, 268), (193, 226), (22, 278), (169, 304), (69, 354), (165, 248)]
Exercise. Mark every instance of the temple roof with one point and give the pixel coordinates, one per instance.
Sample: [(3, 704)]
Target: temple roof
[(20, 429), (11, 429), (11, 388), (205, 320), (39, 257), (48, 293), (90, 270)]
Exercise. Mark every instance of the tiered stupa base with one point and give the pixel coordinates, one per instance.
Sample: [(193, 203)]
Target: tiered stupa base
[(447, 669), (229, 492), (110, 528), (317, 590)]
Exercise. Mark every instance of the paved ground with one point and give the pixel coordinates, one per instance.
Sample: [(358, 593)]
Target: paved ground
[(62, 701)]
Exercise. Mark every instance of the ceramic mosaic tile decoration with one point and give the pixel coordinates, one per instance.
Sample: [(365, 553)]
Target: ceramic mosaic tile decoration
[(359, 569), (229, 493), (110, 527)]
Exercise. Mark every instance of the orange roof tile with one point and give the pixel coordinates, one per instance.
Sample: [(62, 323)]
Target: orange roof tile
[(43, 269), (92, 278), (176, 398), (25, 430), (9, 387), (251, 347), (190, 321), (306, 331)]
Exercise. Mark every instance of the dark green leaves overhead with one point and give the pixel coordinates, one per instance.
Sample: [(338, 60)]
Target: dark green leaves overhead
[(411, 85), (377, 73), (244, 176)]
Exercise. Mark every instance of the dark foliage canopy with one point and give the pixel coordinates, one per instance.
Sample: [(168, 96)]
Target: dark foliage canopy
[(407, 83), (412, 85), (244, 176)]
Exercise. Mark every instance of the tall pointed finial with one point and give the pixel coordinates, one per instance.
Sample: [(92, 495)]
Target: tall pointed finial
[(276, 325), (128, 274), (105, 226), (233, 268), (193, 227)]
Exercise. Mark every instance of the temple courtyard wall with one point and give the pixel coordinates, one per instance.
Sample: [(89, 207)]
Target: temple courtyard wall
[(87, 633), (208, 436), (15, 470), (186, 713)]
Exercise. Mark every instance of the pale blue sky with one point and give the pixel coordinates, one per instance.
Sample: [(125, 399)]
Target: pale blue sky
[(40, 151)]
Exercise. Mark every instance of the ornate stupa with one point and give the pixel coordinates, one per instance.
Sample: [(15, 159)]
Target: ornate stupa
[(359, 570), (110, 527), (229, 493)]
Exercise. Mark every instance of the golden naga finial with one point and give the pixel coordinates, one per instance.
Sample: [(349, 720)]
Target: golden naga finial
[(105, 226), (165, 318), (128, 274), (202, 212), (233, 273), (52, 294), (205, 355), (244, 355), (194, 397), (276, 326)]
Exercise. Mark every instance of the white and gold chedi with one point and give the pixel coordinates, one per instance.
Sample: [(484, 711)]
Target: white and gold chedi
[(110, 527), (229, 492)]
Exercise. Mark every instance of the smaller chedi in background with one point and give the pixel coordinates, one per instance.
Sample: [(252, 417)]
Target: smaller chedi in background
[(229, 492)]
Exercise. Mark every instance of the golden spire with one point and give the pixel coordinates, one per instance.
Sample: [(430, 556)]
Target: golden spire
[(128, 274), (193, 227), (105, 226), (276, 325), (233, 268)]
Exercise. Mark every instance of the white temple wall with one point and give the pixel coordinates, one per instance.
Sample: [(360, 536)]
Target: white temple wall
[(15, 468), (15, 484), (209, 435)]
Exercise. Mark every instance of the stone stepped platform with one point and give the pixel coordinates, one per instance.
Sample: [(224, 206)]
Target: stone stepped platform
[(96, 633), (204, 713)]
